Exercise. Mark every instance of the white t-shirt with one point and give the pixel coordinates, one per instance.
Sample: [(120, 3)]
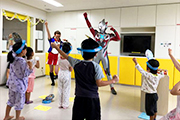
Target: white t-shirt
[(150, 81), (63, 64), (54, 51)]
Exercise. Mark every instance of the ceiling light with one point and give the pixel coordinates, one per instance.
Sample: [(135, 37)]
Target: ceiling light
[(53, 2)]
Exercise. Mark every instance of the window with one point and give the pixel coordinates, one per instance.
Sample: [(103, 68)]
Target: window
[(39, 45), (10, 26)]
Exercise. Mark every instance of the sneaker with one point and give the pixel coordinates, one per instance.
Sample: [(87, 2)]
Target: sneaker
[(60, 107), (50, 97), (52, 84), (113, 91)]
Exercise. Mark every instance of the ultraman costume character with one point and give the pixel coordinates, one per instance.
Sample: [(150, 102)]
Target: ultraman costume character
[(103, 39)]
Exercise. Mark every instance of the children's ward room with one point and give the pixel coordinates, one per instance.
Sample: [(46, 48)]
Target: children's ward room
[(90, 60)]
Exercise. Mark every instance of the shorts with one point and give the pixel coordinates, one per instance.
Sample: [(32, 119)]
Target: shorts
[(52, 59), (86, 108), (151, 103), (16, 99)]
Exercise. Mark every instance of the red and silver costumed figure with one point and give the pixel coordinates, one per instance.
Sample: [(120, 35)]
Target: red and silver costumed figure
[(103, 39)]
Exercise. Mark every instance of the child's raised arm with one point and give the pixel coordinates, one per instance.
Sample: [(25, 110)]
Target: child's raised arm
[(176, 63), (138, 67), (135, 61), (47, 29), (176, 89), (53, 45)]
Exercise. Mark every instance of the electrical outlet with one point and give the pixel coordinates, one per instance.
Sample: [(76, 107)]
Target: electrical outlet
[(42, 70)]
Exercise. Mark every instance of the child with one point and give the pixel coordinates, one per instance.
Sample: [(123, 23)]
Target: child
[(88, 75), (149, 86), (18, 79), (174, 114), (35, 63), (64, 79)]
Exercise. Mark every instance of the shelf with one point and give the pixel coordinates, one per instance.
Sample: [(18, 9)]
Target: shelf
[(141, 30), (136, 32)]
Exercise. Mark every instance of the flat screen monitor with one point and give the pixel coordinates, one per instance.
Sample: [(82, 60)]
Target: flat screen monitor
[(136, 45)]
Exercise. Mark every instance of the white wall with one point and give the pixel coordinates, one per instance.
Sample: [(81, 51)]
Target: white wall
[(41, 70), (74, 28), (163, 19), (164, 34), (167, 21)]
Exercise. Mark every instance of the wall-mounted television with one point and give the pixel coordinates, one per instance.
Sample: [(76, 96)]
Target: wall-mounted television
[(137, 44)]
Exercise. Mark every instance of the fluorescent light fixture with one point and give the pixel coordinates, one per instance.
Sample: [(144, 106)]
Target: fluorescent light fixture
[(53, 2)]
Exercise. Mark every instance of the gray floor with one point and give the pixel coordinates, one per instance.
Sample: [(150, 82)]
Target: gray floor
[(124, 106)]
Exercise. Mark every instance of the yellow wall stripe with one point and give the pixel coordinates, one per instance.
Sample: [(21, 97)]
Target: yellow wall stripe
[(28, 33), (128, 74)]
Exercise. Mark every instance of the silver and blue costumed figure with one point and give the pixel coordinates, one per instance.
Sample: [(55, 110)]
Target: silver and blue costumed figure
[(103, 39)]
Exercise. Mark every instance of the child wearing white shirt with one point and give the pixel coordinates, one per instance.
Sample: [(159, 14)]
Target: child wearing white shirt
[(64, 77), (149, 86)]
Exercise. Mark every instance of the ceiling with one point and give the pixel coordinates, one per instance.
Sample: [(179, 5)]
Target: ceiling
[(71, 5)]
